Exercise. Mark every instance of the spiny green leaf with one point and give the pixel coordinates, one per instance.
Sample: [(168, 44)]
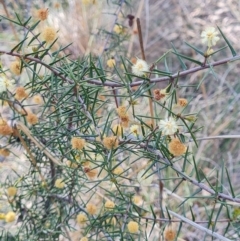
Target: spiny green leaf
[(11, 20), (196, 170), (163, 56), (228, 43), (196, 49), (188, 58), (161, 73), (19, 45), (230, 183), (184, 67), (177, 186), (218, 50), (192, 196), (193, 217), (217, 216), (210, 217), (26, 22)]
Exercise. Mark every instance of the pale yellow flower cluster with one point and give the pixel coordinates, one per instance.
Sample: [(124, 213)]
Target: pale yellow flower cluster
[(168, 126), (134, 129), (5, 129), (32, 118), (140, 68), (84, 239), (133, 227), (176, 147), (118, 170), (170, 233), (21, 93), (118, 29), (91, 208), (15, 67), (59, 183), (42, 14), (209, 37), (182, 102), (122, 113), (111, 63), (109, 204), (81, 218), (49, 34), (9, 217), (12, 191), (5, 83), (77, 143), (4, 152), (110, 142)]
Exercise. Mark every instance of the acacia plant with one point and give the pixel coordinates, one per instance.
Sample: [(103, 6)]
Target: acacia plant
[(106, 152)]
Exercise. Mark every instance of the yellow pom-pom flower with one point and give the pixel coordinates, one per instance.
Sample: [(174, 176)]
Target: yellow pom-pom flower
[(81, 218), (21, 93), (176, 147), (10, 217), (121, 110), (125, 121), (57, 5), (77, 143), (133, 227), (140, 68), (169, 233), (91, 208), (5, 129), (118, 170), (32, 118), (12, 191), (5, 84), (59, 183), (2, 216), (168, 126), (109, 204), (134, 129), (37, 99), (118, 29), (137, 200), (209, 36), (42, 14), (15, 67), (111, 63), (4, 152), (182, 102), (49, 34), (87, 2), (110, 142), (84, 239)]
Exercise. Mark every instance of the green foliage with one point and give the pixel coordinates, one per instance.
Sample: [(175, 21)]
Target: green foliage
[(92, 132)]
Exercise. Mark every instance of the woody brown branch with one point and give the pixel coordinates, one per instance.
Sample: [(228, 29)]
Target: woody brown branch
[(136, 83)]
